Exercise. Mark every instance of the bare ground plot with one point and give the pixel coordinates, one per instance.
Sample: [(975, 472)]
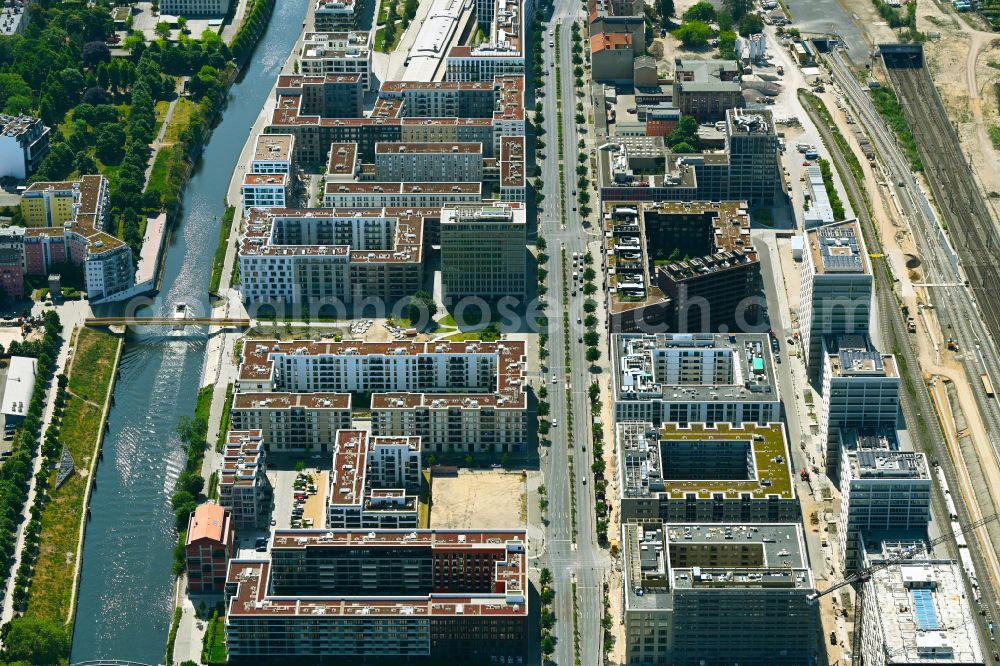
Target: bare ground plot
[(478, 500)]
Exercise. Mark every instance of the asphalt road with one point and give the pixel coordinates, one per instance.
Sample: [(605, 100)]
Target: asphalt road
[(571, 558)]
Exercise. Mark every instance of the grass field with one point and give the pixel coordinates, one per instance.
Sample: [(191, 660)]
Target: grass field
[(90, 376)]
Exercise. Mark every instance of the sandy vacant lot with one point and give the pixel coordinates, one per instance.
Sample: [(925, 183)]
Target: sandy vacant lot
[(477, 500)]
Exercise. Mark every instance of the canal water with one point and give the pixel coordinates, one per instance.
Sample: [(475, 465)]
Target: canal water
[(125, 601)]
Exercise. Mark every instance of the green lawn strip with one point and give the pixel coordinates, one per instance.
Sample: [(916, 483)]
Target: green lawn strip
[(219, 260), (220, 442), (93, 362)]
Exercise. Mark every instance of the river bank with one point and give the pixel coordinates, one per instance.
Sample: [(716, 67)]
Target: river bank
[(125, 598)]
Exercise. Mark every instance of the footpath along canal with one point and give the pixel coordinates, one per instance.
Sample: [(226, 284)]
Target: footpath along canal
[(125, 600)]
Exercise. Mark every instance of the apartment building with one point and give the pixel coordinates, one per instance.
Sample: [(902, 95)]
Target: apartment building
[(694, 378), (406, 111), (618, 17), (272, 154), (472, 367), (331, 257), (24, 143), (195, 7), (292, 421), (450, 423), (699, 473), (483, 251), (209, 545), (440, 594), (374, 482), (686, 267), (244, 490), (12, 262), (513, 169), (612, 57), (706, 89), (745, 169), (336, 53), (327, 96), (265, 190), (428, 162), (66, 224), (860, 390), (710, 593), (336, 15), (400, 195), (836, 289), (918, 612), (884, 487)]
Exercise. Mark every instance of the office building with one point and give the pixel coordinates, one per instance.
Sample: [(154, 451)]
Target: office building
[(633, 169), (387, 593), (195, 7), (273, 154), (374, 482), (917, 612), (698, 594), (336, 15), (71, 216), (707, 89), (24, 143), (244, 490), (428, 162), (699, 473), (292, 421), (836, 289), (209, 545), (331, 257), (483, 252), (265, 190), (336, 53), (884, 487), (860, 390), (694, 378)]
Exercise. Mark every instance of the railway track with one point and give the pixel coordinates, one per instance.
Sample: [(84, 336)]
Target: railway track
[(918, 408)]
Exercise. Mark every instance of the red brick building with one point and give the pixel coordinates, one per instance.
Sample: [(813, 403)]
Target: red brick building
[(209, 547)]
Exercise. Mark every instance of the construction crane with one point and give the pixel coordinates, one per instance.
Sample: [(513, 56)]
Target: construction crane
[(861, 576)]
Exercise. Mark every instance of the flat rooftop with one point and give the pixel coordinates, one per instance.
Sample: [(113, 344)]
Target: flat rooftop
[(402, 188), (273, 148), (739, 366), (349, 476), (878, 453), (343, 158), (242, 458), (258, 400), (838, 248), (663, 558), (856, 356), (924, 613), (754, 456), (394, 147)]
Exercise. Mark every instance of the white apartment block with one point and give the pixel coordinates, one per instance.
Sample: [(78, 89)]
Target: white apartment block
[(917, 613), (292, 421), (243, 486), (860, 390), (694, 378), (374, 483), (882, 489), (331, 256), (429, 162), (454, 423), (273, 154), (337, 53), (483, 251), (24, 143), (400, 195), (265, 190), (469, 367), (836, 288), (513, 171), (336, 15), (195, 7), (697, 594)]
